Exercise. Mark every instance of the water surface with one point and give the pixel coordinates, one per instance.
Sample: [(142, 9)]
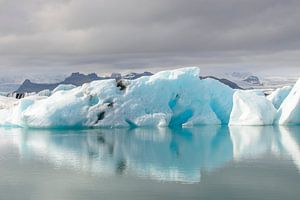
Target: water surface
[(210, 162)]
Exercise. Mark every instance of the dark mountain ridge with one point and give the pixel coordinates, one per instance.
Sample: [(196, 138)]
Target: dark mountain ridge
[(224, 81), (76, 79)]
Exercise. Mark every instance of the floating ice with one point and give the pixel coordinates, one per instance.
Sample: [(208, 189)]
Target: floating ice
[(279, 95), (251, 109), (44, 93), (169, 98), (289, 111), (63, 87)]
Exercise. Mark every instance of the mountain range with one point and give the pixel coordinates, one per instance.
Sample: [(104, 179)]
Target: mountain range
[(76, 79), (235, 80)]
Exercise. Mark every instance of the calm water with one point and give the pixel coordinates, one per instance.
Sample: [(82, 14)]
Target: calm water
[(199, 163)]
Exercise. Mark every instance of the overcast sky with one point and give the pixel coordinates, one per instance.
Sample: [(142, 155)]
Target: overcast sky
[(59, 36)]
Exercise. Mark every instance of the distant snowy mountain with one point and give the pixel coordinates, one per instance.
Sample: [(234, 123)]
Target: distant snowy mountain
[(235, 79), (248, 80), (245, 80), (28, 86), (224, 81), (278, 82), (254, 80), (10, 83), (265, 83), (240, 75), (76, 79)]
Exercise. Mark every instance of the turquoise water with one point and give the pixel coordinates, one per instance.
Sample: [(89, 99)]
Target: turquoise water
[(207, 162)]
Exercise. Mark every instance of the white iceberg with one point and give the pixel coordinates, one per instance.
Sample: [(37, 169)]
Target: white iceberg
[(63, 87), (168, 98), (289, 111), (251, 109), (279, 95), (45, 92)]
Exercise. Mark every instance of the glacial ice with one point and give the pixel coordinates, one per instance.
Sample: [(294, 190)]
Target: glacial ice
[(60, 87), (279, 95), (251, 109), (289, 111), (46, 93), (63, 87), (168, 98)]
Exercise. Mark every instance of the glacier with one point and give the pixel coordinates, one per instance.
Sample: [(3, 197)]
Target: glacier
[(168, 98)]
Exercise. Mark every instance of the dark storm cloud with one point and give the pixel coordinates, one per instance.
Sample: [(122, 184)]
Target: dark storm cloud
[(103, 35)]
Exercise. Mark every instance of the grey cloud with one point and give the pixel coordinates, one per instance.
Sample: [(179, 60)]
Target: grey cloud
[(100, 35)]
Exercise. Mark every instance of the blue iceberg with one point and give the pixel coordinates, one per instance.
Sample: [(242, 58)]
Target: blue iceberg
[(169, 98)]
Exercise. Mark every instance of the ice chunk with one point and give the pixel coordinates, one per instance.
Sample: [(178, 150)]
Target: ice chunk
[(220, 99), (289, 111), (5, 94), (168, 98), (251, 109), (7, 102), (279, 95), (63, 87), (44, 93)]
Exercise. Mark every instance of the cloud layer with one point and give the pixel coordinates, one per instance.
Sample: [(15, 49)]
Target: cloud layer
[(101, 35)]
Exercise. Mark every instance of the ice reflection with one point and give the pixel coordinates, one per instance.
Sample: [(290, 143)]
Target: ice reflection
[(160, 154), (289, 136), (256, 141), (253, 141)]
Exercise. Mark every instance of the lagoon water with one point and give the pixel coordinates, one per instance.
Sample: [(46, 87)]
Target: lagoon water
[(209, 162)]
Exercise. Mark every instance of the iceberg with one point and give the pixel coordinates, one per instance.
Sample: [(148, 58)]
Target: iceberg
[(63, 87), (46, 92), (173, 98), (289, 111), (168, 98), (251, 109), (279, 95)]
